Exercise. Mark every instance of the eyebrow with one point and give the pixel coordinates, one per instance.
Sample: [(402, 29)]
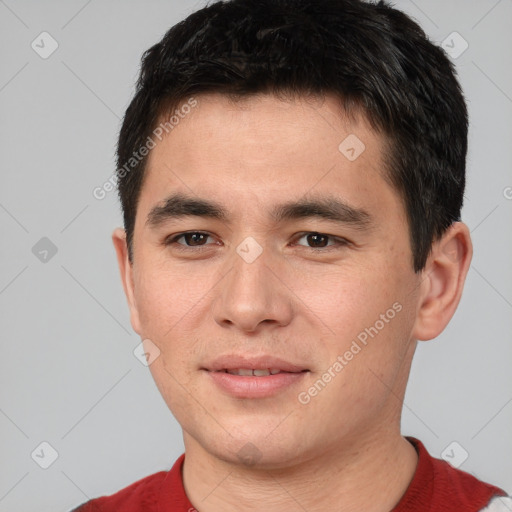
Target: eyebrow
[(329, 208), (180, 205)]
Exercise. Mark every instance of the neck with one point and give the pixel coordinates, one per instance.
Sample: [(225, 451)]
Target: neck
[(371, 475)]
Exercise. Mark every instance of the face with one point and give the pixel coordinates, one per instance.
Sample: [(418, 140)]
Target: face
[(284, 249)]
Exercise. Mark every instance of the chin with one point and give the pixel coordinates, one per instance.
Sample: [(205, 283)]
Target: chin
[(253, 447)]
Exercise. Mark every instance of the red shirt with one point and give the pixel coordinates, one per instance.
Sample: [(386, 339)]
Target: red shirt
[(435, 487)]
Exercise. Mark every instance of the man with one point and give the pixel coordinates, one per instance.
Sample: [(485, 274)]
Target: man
[(291, 174)]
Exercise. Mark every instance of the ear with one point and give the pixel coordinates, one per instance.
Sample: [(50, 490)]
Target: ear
[(442, 281), (126, 270)]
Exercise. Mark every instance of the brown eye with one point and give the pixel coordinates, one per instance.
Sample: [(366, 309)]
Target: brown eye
[(195, 238), (191, 239), (317, 240)]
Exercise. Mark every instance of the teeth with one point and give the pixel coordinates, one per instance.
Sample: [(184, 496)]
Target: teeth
[(261, 373), (246, 372), (241, 371)]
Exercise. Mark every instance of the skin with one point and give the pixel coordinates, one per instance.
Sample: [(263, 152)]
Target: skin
[(297, 301)]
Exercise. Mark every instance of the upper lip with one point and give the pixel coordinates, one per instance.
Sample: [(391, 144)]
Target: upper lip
[(234, 362)]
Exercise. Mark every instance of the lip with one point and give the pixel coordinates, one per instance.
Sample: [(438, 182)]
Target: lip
[(240, 386), (232, 362)]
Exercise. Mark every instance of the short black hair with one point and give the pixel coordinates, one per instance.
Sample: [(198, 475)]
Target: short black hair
[(374, 58)]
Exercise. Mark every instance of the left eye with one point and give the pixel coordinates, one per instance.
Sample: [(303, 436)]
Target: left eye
[(320, 240)]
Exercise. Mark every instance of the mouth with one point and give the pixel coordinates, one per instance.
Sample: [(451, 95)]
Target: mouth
[(252, 366), (254, 377), (248, 372)]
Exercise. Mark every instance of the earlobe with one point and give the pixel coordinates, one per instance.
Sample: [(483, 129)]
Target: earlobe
[(442, 281), (126, 271)]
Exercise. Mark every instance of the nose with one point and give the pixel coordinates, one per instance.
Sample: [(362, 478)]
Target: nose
[(254, 295)]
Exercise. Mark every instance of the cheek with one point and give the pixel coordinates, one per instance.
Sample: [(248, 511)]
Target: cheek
[(171, 307), (348, 299), (369, 317), (166, 298)]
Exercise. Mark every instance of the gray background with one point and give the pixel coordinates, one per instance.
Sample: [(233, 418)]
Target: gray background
[(68, 373)]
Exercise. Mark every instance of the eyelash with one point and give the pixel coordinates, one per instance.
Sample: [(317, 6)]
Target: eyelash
[(173, 240)]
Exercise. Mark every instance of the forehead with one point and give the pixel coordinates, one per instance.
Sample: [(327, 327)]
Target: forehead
[(261, 149)]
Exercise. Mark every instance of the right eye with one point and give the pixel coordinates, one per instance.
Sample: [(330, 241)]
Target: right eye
[(191, 239)]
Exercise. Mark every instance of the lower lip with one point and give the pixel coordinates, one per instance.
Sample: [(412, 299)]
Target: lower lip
[(241, 386)]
